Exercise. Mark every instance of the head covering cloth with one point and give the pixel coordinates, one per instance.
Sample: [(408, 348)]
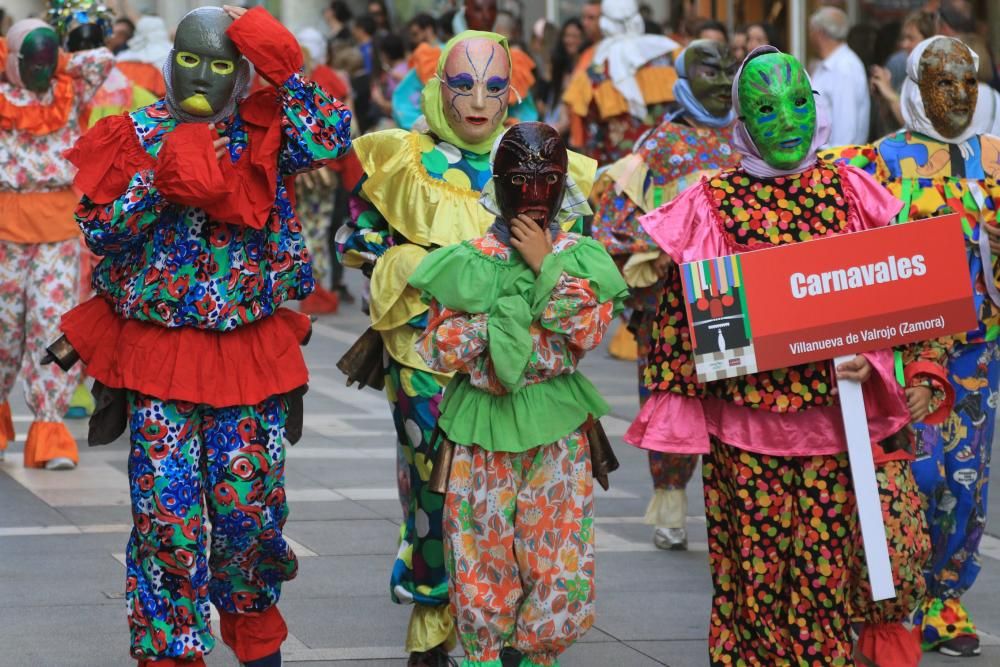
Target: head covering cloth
[(690, 104), (432, 103), (312, 40), (912, 103), (752, 161), (626, 49), (150, 44), (244, 74), (574, 203), (15, 40)]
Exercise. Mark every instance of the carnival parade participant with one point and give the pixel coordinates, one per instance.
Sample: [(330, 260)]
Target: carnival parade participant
[(186, 340), (944, 161), (513, 312), (474, 15), (694, 140), (625, 89), (779, 505), (42, 95), (421, 191)]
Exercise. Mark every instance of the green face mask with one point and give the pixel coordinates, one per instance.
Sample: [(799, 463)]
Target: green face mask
[(205, 63), (778, 109), (38, 58)]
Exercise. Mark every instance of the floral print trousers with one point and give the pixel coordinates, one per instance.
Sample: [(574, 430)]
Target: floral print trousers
[(519, 530), (190, 467), (780, 537), (952, 469), (38, 283)]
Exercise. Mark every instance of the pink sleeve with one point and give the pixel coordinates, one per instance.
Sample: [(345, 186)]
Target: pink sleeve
[(871, 205), (685, 228)]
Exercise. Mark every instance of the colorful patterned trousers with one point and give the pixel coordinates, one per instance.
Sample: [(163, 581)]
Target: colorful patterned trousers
[(520, 543), (38, 283), (952, 469), (780, 535), (418, 574), (192, 466)]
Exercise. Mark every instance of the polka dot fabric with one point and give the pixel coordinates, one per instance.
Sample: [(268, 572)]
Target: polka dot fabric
[(448, 163)]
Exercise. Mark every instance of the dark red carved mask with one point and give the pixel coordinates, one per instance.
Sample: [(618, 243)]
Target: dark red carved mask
[(529, 171)]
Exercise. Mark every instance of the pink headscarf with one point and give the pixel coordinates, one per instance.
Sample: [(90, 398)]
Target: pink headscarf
[(752, 162), (15, 39)]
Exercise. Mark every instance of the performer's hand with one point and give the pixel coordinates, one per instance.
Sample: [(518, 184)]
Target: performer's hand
[(234, 12), (221, 146), (661, 264), (533, 242), (918, 401), (858, 369)]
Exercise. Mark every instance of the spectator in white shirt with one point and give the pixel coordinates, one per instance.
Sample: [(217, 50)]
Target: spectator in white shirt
[(839, 77)]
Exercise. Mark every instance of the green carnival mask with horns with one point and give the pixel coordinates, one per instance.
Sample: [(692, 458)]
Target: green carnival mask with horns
[(778, 109)]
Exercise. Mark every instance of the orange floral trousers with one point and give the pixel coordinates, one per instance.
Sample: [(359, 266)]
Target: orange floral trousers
[(519, 541)]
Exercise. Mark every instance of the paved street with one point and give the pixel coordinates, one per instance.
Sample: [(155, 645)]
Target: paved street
[(62, 541)]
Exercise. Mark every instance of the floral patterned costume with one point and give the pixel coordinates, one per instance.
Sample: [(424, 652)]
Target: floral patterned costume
[(39, 244), (672, 157), (781, 520), (519, 508), (419, 193), (198, 255), (952, 467)]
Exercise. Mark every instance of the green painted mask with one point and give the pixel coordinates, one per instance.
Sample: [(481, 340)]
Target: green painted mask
[(710, 68), (778, 109), (205, 63), (38, 59)]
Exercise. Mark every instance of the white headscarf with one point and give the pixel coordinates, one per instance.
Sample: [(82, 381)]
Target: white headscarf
[(626, 49), (312, 40), (15, 39), (150, 44), (912, 104)]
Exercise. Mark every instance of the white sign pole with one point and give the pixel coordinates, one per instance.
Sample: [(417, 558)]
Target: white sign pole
[(859, 449)]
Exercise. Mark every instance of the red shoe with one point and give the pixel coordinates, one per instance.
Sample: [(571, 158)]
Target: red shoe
[(320, 302)]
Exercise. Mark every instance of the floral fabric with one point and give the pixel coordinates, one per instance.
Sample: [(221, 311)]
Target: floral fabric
[(38, 283), (572, 322), (191, 464), (781, 534), (519, 530), (173, 266), (35, 163)]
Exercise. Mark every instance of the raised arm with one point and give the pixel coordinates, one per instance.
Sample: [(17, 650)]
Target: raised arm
[(89, 70)]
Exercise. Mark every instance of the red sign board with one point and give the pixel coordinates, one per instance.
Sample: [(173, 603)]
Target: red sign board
[(820, 299)]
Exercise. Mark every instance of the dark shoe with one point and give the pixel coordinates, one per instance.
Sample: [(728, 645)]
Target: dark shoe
[(436, 657), (510, 657), (965, 646), (273, 660)]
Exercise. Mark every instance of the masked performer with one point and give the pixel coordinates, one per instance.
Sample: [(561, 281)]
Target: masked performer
[(624, 91), (513, 313), (944, 161), (693, 140), (41, 98), (775, 457), (421, 190), (475, 15), (186, 202)]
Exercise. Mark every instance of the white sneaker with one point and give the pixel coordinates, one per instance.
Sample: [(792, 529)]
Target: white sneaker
[(60, 463), (671, 539)]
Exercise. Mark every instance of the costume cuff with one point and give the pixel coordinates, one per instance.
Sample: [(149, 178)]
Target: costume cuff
[(267, 44), (187, 170), (510, 342), (546, 281), (929, 374)]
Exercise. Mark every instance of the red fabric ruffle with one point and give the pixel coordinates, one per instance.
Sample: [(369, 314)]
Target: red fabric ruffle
[(330, 81), (890, 644), (261, 38), (239, 367), (253, 636), (939, 377), (349, 169), (107, 157)]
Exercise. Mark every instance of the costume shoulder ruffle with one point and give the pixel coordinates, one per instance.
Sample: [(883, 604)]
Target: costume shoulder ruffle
[(107, 157)]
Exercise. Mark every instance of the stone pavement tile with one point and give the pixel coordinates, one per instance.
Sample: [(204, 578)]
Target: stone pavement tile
[(331, 511), (990, 657), (387, 509), (99, 514), (652, 616), (345, 538), (347, 621), (682, 653), (603, 654), (665, 572), (61, 572), (337, 576), (335, 473), (23, 508), (71, 635)]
